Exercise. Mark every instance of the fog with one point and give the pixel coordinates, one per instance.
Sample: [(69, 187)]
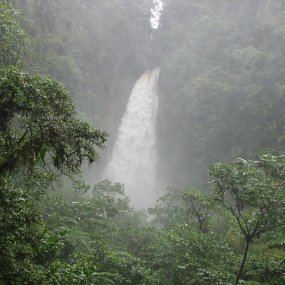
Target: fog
[(142, 142), (220, 73)]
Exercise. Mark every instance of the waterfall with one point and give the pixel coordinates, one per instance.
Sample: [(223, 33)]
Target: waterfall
[(156, 12), (134, 157)]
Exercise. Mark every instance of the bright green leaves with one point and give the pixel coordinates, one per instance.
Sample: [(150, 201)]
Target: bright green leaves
[(253, 191), (13, 40), (37, 119)]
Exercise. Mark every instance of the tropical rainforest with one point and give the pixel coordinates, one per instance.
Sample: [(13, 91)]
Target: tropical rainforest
[(67, 68)]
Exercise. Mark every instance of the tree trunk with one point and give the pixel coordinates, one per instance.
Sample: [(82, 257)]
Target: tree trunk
[(248, 239)]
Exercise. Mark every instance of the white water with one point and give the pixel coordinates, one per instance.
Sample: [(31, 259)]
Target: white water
[(156, 12), (134, 158)]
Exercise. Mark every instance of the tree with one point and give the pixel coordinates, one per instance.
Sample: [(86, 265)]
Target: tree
[(38, 128), (184, 255), (253, 192), (89, 214), (39, 131), (38, 122), (189, 206), (13, 39)]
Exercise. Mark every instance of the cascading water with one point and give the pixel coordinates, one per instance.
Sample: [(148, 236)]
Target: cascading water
[(134, 158), (156, 12)]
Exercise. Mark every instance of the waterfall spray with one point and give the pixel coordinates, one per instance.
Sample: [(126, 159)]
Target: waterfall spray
[(134, 157)]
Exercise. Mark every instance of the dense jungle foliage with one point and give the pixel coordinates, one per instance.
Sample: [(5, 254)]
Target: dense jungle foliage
[(65, 64)]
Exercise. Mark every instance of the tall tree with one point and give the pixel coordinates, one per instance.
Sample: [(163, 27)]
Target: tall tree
[(253, 192)]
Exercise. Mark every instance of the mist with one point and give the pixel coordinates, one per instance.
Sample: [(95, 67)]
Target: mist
[(216, 65), (179, 106)]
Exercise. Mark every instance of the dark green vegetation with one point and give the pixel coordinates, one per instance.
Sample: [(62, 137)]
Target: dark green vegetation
[(223, 95)]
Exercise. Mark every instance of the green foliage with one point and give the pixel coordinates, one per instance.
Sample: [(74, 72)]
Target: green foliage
[(25, 244), (81, 271), (189, 206), (92, 222), (39, 127), (186, 256), (222, 72), (253, 192), (89, 214), (13, 39), (278, 243), (125, 268), (75, 42), (266, 270), (110, 200), (222, 78), (38, 120)]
